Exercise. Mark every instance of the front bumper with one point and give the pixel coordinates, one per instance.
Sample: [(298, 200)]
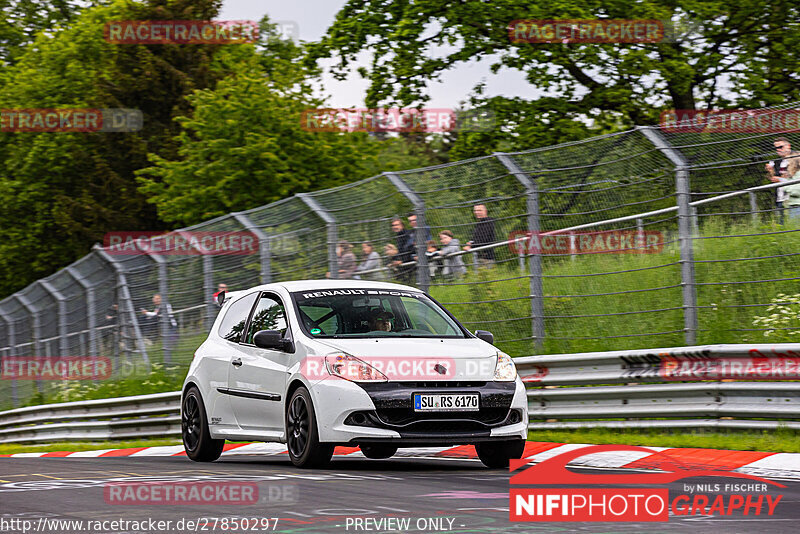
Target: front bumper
[(502, 415)]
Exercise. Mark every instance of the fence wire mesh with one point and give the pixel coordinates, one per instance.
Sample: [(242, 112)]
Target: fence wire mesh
[(649, 237)]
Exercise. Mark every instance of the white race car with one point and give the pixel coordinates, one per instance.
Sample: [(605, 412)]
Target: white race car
[(315, 364)]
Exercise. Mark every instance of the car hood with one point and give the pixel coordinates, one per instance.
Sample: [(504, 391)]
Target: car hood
[(416, 359)]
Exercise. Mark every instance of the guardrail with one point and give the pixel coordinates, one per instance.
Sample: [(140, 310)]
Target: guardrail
[(141, 416), (711, 386)]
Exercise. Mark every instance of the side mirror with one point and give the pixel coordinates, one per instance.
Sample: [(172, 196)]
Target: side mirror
[(221, 298), (272, 339), (485, 336)]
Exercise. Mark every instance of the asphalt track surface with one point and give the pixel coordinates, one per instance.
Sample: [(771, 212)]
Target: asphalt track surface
[(462, 495)]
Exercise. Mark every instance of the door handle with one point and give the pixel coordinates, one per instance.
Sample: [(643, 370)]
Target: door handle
[(237, 362)]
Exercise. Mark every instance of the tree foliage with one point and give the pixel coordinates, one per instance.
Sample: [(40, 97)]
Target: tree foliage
[(245, 142), (724, 53), (61, 192)]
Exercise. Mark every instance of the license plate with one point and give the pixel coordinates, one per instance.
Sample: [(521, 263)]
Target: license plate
[(446, 402)]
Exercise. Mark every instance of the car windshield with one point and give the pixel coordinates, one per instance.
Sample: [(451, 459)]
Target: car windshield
[(368, 313)]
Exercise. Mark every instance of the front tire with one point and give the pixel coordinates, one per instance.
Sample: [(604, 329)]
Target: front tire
[(197, 440), (378, 452), (496, 455), (302, 436)]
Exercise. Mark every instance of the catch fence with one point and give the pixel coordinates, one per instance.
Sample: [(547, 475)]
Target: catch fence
[(648, 237)]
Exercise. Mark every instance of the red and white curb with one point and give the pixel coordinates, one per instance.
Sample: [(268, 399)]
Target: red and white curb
[(765, 464)]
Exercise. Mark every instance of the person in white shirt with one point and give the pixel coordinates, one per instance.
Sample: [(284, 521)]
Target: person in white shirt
[(777, 171)]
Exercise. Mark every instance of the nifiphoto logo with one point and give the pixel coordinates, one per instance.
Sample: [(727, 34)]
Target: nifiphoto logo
[(181, 31), (636, 496)]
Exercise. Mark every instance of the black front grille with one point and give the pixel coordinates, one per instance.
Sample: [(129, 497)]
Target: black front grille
[(406, 416), (442, 384)]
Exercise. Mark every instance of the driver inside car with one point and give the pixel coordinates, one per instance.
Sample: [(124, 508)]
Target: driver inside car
[(381, 321)]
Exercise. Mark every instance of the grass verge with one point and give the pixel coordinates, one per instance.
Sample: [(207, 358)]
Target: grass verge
[(740, 440)]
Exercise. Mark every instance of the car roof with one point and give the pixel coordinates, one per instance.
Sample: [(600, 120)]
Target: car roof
[(311, 285)]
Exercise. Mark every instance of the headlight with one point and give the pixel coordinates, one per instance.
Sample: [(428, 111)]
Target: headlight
[(504, 370), (353, 369)]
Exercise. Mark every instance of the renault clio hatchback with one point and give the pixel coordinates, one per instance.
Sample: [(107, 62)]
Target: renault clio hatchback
[(315, 364)]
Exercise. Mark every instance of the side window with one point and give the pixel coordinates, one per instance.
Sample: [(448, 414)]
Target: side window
[(232, 324), (268, 315)]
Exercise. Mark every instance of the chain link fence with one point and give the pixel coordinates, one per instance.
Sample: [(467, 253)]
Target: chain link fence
[(649, 237)]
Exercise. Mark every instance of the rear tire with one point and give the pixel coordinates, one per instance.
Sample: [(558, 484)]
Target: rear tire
[(496, 455), (197, 440), (378, 452), (302, 436)]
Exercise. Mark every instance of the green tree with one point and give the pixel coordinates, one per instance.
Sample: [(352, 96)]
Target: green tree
[(724, 53), (245, 144), (23, 19), (61, 192)]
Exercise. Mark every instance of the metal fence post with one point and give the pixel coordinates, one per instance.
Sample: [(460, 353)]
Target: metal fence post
[(333, 232), (534, 257), (420, 237), (91, 309), (164, 320), (264, 251), (753, 207), (36, 330), (685, 239), (63, 328), (640, 235), (687, 255), (208, 280), (126, 300), (12, 344)]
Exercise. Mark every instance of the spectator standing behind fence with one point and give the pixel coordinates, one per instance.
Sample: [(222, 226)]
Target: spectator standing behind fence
[(111, 314), (792, 192), (777, 171), (412, 222), (152, 318), (454, 265), (391, 252), (372, 261), (405, 250), (347, 260), (220, 289), (434, 258), (482, 235)]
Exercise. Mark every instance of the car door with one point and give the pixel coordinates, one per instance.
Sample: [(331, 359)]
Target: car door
[(217, 358), (257, 378)]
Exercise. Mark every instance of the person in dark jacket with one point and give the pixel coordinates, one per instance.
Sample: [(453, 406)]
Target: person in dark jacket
[(483, 234), (405, 250)]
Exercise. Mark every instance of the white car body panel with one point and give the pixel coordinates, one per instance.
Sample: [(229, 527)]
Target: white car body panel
[(270, 372)]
